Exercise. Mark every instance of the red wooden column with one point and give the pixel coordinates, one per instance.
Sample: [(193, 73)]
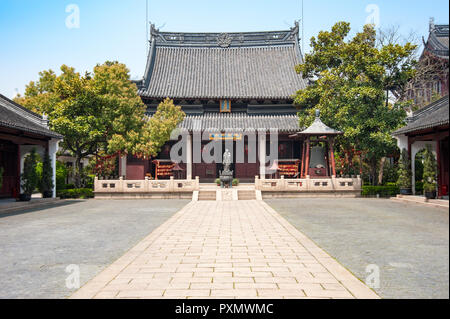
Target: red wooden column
[(308, 144), (303, 160), (438, 160), (16, 191), (333, 164)]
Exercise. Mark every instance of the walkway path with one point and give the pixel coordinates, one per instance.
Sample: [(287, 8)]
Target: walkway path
[(236, 249)]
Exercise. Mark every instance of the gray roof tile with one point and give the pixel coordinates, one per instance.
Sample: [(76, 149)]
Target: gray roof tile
[(433, 115), (259, 66), (15, 116), (240, 122)]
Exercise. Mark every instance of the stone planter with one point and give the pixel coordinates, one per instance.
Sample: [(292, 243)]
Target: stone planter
[(405, 191), (430, 195), (24, 197), (47, 194)]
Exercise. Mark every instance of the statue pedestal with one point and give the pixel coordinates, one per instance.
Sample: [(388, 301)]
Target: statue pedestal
[(226, 178)]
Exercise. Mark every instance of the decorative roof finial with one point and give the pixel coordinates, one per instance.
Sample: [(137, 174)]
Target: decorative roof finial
[(432, 27), (153, 31), (44, 120), (317, 113)]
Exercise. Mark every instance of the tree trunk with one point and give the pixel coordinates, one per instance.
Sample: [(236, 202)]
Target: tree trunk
[(78, 170), (381, 171), (373, 171)]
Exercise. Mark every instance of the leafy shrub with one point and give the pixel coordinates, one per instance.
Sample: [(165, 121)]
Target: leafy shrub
[(429, 170), (29, 178), (61, 176), (217, 181), (46, 179), (383, 191), (70, 186), (82, 193), (404, 170), (419, 188), (235, 182), (89, 182)]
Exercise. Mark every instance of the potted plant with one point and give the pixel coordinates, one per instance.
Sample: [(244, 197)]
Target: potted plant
[(29, 177), (429, 173), (47, 177), (235, 182), (217, 181), (404, 174)]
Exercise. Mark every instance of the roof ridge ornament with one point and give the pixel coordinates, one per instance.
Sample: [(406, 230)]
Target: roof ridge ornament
[(224, 40), (153, 31), (317, 113)]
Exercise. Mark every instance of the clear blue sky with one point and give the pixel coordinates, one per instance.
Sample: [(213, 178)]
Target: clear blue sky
[(35, 37)]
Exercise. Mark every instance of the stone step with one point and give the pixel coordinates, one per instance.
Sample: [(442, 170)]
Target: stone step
[(246, 195), (206, 195)]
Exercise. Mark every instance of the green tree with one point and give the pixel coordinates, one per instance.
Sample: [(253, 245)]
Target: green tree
[(404, 170), (47, 176), (429, 170), (29, 177), (88, 110), (154, 134), (350, 78)]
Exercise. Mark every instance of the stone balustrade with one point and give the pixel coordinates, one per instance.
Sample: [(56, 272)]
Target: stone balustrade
[(350, 186), (104, 188)]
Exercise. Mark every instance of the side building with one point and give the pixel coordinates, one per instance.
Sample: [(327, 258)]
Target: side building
[(429, 125), (20, 131), (226, 83)]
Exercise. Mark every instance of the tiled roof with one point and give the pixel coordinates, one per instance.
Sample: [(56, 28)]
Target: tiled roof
[(433, 115), (318, 128), (15, 116), (438, 42), (252, 65), (240, 122)]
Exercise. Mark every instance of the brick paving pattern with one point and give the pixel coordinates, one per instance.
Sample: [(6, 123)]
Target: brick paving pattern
[(228, 249)]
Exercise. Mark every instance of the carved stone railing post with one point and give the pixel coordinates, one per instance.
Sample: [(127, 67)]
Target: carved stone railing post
[(120, 185)]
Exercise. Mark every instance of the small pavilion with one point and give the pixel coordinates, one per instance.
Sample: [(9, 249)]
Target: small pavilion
[(318, 149)]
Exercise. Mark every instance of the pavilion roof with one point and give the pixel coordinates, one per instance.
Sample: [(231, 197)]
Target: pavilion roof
[(319, 128)]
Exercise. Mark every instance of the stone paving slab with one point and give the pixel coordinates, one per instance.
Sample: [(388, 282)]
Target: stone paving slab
[(236, 249), (407, 243)]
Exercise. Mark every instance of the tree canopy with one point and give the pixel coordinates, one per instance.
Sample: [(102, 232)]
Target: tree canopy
[(350, 83), (155, 132), (99, 111)]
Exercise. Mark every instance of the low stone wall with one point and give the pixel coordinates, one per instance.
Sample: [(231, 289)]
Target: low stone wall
[(339, 187), (121, 188)]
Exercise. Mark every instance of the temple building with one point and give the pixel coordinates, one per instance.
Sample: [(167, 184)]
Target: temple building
[(20, 131), (228, 82), (429, 125), (432, 72)]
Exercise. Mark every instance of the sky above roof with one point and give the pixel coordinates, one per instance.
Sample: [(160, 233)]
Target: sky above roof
[(40, 35)]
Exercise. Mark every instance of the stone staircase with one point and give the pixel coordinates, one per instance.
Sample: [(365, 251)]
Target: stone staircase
[(214, 193), (207, 195), (246, 194)]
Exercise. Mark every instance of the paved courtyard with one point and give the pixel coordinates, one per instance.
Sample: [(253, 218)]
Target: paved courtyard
[(408, 242), (37, 245), (225, 249)]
